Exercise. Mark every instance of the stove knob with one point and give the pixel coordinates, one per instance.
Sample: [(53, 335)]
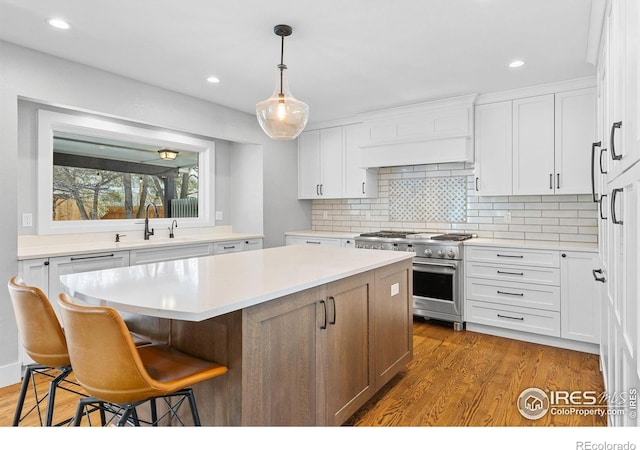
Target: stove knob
[(428, 252), (395, 248), (441, 253), (451, 253), (410, 249)]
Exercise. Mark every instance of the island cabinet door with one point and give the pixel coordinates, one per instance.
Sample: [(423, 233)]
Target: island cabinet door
[(345, 379), (279, 369), (392, 321)]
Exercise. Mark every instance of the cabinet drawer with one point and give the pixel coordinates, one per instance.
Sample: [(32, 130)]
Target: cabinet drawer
[(153, 255), (513, 256), (499, 272), (310, 240), (514, 318), (514, 294), (227, 247)]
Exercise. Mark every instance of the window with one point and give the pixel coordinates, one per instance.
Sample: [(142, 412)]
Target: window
[(97, 175)]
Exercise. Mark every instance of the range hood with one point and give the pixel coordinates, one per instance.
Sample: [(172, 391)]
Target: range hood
[(426, 133)]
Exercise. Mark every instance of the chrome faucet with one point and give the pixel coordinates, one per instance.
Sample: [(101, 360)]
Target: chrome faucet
[(148, 233), (175, 222)]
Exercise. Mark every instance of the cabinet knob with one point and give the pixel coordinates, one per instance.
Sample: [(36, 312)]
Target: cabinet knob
[(564, 255)]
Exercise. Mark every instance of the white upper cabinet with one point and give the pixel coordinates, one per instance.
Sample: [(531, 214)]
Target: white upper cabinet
[(533, 145), (320, 166), (537, 145), (493, 147), (358, 182), (575, 131), (329, 164), (309, 164)]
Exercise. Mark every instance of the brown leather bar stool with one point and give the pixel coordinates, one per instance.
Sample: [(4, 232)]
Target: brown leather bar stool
[(115, 372), (44, 342)]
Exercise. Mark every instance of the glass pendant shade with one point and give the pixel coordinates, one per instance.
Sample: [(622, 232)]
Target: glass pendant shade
[(282, 116)]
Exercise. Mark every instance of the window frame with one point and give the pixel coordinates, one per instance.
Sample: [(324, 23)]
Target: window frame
[(50, 122)]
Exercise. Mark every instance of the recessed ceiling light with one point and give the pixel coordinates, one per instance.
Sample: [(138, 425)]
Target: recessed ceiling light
[(516, 63), (213, 79), (59, 23)]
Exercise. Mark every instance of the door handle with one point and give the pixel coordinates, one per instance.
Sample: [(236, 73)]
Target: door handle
[(477, 184), (558, 181), (324, 309), (333, 303), (363, 187), (602, 197), (612, 143), (550, 181), (593, 169), (614, 196), (601, 279), (602, 171)]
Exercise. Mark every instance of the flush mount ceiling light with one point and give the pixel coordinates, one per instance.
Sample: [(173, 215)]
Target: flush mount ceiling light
[(213, 79), (516, 63), (170, 155), (58, 23), (282, 116)]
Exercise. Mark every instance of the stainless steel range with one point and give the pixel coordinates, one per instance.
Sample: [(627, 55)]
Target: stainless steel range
[(438, 281)]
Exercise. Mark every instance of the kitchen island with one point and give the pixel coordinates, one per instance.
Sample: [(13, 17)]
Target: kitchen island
[(308, 334)]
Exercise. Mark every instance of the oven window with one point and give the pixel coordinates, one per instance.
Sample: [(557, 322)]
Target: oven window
[(433, 285)]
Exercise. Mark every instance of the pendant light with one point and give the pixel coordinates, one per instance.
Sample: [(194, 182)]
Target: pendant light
[(282, 116)]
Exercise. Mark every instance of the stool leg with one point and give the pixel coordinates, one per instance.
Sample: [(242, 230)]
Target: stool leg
[(23, 394), (125, 416), (194, 408), (154, 413), (53, 386)]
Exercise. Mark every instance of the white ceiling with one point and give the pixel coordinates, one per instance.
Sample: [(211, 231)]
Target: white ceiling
[(344, 57)]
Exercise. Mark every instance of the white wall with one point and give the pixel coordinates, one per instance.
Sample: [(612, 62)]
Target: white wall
[(246, 188), (43, 78)]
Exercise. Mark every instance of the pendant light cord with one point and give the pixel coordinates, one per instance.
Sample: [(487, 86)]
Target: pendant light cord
[(281, 66)]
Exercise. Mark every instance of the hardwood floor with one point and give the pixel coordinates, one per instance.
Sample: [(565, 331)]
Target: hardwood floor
[(472, 379), (455, 379)]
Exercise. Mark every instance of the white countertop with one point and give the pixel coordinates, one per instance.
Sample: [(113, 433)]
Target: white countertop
[(325, 234), (200, 288), (31, 247), (541, 245)]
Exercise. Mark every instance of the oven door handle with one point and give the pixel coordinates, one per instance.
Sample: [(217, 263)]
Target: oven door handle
[(433, 264)]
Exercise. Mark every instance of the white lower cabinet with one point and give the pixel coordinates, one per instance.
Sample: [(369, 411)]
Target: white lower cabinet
[(65, 265), (580, 296), (159, 254), (544, 292)]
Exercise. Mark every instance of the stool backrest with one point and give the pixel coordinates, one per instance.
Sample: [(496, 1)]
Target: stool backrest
[(103, 355), (39, 328)]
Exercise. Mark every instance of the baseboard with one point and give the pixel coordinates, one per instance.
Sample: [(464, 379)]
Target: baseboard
[(10, 374), (535, 338)]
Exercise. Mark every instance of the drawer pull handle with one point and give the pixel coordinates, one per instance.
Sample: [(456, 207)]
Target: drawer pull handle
[(510, 273), (229, 247), (510, 293), (509, 256), (510, 317), (80, 258), (313, 242)]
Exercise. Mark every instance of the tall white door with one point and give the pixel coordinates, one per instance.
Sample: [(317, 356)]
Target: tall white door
[(309, 164), (331, 147)]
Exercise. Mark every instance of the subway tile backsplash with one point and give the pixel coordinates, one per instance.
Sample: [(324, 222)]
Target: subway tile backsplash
[(441, 198)]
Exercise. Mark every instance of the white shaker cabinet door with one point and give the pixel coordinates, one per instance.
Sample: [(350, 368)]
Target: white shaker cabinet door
[(309, 165), (533, 145), (575, 131), (493, 149)]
